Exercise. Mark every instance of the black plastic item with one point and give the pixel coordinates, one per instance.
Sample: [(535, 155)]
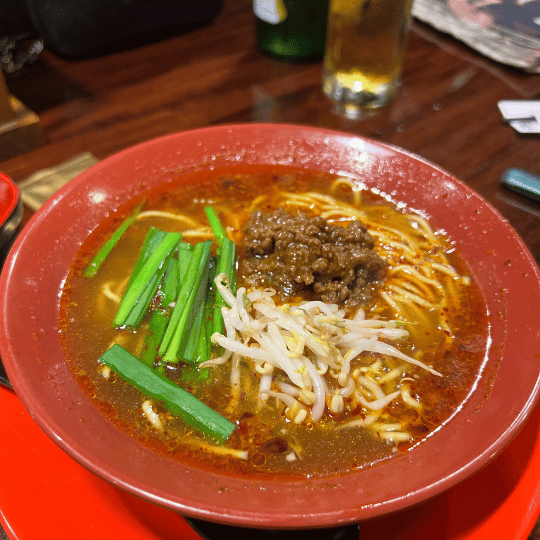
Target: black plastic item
[(3, 376), (14, 18), (73, 28), (215, 531)]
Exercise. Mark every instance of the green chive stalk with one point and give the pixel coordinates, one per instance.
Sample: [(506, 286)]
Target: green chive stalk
[(145, 280), (176, 336), (175, 399), (97, 261)]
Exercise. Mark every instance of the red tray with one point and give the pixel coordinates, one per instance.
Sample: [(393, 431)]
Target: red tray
[(44, 493)]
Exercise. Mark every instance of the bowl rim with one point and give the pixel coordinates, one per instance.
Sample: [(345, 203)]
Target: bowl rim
[(238, 515)]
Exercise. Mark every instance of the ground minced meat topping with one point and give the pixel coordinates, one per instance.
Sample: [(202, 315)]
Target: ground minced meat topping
[(293, 253)]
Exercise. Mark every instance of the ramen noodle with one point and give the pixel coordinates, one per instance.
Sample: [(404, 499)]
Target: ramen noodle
[(312, 387)]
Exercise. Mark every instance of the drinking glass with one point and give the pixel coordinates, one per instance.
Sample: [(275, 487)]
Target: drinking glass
[(365, 45)]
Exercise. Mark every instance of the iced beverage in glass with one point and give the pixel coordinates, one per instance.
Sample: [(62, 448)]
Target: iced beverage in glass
[(365, 46)]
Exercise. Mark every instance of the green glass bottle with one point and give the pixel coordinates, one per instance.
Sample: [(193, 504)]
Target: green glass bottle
[(292, 29)]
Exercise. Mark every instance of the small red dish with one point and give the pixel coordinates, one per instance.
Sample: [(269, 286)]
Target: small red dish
[(503, 399), (10, 208)]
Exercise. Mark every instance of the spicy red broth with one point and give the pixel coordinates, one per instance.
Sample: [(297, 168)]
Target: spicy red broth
[(425, 288)]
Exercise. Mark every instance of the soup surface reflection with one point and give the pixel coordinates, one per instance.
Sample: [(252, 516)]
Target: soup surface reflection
[(376, 407)]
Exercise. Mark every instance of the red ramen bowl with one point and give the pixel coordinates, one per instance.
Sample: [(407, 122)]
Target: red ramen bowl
[(504, 395)]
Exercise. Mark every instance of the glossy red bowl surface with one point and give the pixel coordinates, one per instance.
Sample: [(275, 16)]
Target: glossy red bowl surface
[(502, 400)]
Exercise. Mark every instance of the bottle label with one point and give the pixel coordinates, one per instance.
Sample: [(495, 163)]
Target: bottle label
[(270, 11)]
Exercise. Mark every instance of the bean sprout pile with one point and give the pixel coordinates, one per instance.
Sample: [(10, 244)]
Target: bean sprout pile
[(310, 357)]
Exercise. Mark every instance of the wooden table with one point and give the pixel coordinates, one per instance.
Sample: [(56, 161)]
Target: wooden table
[(446, 110)]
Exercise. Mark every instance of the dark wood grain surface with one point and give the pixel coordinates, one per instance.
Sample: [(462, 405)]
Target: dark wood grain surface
[(445, 111)]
